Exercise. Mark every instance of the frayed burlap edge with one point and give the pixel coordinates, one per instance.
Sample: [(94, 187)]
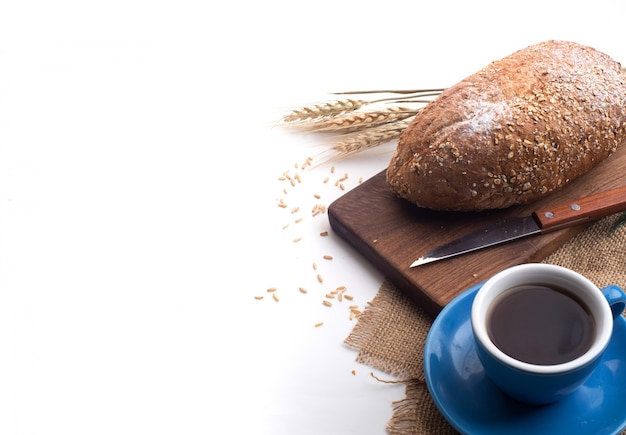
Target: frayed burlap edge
[(393, 322), (389, 317), (416, 414)]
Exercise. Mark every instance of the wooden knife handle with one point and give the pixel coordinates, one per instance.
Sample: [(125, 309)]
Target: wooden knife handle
[(585, 209)]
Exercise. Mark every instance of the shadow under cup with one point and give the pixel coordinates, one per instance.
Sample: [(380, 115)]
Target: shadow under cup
[(537, 383)]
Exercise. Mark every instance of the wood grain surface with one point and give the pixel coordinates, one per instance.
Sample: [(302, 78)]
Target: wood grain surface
[(391, 233)]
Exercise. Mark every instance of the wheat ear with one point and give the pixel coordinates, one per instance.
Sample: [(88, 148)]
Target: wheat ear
[(372, 137), (332, 108), (349, 144), (356, 121)]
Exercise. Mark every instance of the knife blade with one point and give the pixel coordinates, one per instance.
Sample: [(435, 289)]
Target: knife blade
[(542, 221)]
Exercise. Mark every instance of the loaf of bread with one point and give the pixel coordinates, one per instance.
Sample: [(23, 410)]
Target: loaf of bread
[(515, 131)]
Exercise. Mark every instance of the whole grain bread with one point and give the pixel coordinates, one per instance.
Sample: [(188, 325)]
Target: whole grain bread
[(515, 131)]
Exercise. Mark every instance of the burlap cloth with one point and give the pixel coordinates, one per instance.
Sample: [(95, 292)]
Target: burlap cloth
[(391, 333)]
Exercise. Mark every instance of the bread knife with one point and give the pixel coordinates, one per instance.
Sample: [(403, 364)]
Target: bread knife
[(543, 221)]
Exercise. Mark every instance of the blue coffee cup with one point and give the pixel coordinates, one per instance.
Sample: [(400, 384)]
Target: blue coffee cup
[(539, 383)]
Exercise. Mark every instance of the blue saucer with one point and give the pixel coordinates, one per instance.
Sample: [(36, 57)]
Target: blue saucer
[(472, 404)]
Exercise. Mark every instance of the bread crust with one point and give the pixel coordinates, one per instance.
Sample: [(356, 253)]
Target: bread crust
[(515, 131)]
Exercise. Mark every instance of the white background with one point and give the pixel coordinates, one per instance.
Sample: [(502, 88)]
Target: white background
[(139, 169)]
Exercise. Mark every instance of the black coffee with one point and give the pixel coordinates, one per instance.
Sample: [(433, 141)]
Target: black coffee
[(538, 324)]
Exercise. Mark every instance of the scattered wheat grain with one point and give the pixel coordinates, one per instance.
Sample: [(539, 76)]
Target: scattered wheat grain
[(354, 313), (327, 303), (317, 325), (324, 233), (328, 257), (297, 239), (275, 296), (319, 278), (318, 209), (258, 298), (303, 290), (271, 289)]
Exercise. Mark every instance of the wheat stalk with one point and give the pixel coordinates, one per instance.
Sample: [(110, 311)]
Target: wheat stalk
[(348, 144), (356, 120), (332, 108), (360, 129), (340, 107), (423, 92), (369, 138)]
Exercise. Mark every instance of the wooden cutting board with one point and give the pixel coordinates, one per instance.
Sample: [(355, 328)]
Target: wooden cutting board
[(391, 233)]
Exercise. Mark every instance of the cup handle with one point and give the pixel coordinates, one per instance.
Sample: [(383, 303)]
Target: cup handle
[(616, 298)]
